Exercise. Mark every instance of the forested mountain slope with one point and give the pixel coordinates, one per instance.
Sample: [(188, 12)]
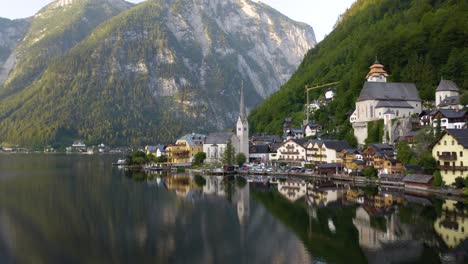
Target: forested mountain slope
[(418, 41), (156, 71)]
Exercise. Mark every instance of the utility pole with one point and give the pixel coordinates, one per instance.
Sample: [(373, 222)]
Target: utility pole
[(308, 88)]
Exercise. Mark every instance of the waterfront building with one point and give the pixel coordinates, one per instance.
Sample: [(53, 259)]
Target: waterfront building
[(259, 153), (450, 150), (216, 143), (293, 151), (379, 97), (185, 149), (418, 181)]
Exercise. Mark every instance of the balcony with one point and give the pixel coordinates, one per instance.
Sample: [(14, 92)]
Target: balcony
[(448, 156), (290, 152), (290, 147), (456, 168), (318, 155)]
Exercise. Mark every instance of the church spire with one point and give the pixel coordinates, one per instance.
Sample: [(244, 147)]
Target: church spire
[(242, 113)]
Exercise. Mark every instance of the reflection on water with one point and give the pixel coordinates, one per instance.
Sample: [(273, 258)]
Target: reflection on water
[(392, 227), (74, 209)]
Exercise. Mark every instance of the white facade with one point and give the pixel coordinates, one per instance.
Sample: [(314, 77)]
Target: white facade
[(329, 94), (242, 127), (291, 151), (446, 124)]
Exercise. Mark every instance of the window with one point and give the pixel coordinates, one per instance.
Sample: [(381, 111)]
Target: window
[(453, 142), (445, 142), (461, 153), (437, 153)]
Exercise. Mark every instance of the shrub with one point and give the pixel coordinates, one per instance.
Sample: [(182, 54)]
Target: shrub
[(199, 158), (241, 159), (459, 183), (438, 179)]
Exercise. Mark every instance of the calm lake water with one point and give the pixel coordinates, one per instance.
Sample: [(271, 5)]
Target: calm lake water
[(80, 209)]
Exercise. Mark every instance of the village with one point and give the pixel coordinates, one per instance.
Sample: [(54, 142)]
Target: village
[(309, 150)]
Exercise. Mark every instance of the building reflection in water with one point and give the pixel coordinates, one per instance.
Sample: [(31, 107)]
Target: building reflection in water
[(452, 225)]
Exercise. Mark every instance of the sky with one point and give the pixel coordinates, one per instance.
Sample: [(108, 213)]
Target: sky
[(320, 14)]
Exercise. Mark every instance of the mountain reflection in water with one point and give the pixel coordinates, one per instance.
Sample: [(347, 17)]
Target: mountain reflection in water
[(75, 209)]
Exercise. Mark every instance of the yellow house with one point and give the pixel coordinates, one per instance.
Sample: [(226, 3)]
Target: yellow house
[(185, 149), (451, 152)]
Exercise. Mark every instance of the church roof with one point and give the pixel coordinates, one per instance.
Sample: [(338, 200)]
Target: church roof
[(393, 104), (447, 85), (219, 138), (389, 92)]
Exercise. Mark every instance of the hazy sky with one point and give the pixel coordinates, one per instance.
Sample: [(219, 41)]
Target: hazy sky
[(320, 14)]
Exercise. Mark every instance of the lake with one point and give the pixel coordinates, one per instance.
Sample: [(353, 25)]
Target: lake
[(81, 209)]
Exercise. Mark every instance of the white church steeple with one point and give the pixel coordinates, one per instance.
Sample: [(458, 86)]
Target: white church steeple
[(242, 128)]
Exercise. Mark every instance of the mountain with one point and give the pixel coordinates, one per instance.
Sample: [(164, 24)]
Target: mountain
[(52, 32), (11, 33), (156, 71), (418, 41)]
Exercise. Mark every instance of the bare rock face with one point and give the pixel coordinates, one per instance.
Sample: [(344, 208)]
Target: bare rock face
[(173, 66), (11, 33)]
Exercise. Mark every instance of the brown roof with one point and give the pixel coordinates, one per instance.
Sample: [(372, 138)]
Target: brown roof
[(417, 178)]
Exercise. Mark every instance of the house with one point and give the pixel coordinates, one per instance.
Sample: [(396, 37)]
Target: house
[(353, 160), (374, 154), (379, 96), (418, 181), (450, 119), (185, 148), (293, 133), (447, 95), (312, 129), (450, 150), (330, 94), (427, 117), (329, 168), (325, 151), (78, 145), (273, 155), (216, 143), (389, 165), (265, 139), (259, 153), (293, 152)]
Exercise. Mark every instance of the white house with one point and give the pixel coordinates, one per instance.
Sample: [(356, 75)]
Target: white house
[(451, 119), (312, 129), (292, 151)]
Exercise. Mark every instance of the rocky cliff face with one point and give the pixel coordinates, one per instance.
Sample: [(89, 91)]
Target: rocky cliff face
[(11, 33), (160, 69)]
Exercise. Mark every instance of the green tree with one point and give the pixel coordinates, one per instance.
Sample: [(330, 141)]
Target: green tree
[(229, 155), (428, 163), (241, 159), (199, 158), (438, 129), (438, 181), (370, 172), (404, 153), (161, 159)]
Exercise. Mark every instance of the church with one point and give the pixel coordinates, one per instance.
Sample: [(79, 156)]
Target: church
[(216, 143), (380, 99)]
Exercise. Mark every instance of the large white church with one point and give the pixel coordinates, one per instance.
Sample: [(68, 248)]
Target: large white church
[(216, 143), (380, 99)]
